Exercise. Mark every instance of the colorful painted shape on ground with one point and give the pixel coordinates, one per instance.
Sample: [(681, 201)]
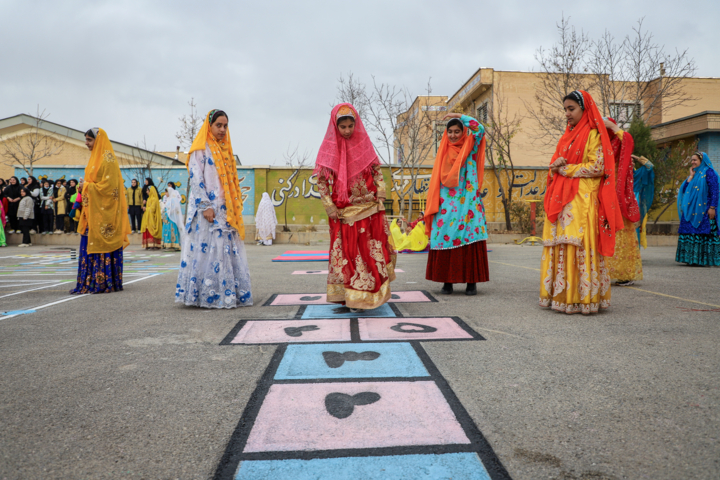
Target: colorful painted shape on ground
[(341, 311), (347, 407), (325, 272), (285, 299)]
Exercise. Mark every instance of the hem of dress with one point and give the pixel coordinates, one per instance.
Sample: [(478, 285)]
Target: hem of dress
[(573, 308), (217, 307), (459, 246)]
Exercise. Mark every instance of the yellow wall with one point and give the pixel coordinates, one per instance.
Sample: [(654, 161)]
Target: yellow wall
[(707, 92)]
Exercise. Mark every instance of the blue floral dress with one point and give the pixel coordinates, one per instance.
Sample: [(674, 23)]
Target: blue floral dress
[(214, 271), (461, 216)]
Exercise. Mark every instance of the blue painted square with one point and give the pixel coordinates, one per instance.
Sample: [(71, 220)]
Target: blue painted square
[(305, 362), (330, 311), (398, 467)]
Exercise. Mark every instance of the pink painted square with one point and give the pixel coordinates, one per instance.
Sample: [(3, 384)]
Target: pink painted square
[(372, 329), (273, 331), (294, 417), (409, 297), (300, 299)]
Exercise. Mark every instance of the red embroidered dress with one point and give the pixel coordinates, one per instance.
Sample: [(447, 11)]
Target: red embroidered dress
[(362, 260)]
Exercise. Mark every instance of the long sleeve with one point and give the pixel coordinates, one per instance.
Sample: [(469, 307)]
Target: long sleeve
[(197, 180), (324, 189), (712, 180), (593, 164), (379, 182), (477, 130), (35, 193)]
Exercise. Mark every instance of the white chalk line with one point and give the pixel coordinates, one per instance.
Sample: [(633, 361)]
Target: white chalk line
[(39, 288), (73, 297)]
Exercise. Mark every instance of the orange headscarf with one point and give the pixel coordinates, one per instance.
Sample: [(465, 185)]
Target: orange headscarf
[(104, 213), (561, 190), (446, 171), (224, 159)]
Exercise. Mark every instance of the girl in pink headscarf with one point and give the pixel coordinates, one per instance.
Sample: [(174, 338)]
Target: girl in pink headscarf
[(362, 259)]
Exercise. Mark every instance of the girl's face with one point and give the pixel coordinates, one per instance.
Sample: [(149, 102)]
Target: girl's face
[(146, 182), (346, 127), (22, 193), (58, 184), (134, 183), (219, 128), (73, 183), (13, 181), (23, 181), (695, 161), (454, 133), (573, 112), (46, 185), (89, 142)]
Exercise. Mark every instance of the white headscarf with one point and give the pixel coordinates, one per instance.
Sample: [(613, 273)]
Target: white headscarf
[(265, 219), (173, 209)]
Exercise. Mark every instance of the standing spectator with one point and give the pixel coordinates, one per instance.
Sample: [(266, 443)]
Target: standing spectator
[(60, 206), (3, 241), (34, 188), (12, 193), (3, 200), (23, 182), (135, 203), (70, 192), (47, 207), (26, 216)]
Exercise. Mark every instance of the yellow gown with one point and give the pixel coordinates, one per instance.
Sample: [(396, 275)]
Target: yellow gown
[(626, 264), (574, 277)]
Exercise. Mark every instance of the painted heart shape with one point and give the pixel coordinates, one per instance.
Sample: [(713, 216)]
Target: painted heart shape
[(420, 328), (394, 297), (337, 359), (310, 298), (298, 331), (342, 405)]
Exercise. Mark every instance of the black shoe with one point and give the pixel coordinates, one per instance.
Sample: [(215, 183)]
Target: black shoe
[(471, 289), (447, 289)]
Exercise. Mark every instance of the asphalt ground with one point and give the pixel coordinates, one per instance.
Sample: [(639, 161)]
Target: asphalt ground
[(131, 385)]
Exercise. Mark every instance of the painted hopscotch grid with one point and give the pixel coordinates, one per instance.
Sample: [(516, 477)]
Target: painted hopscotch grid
[(298, 299), (250, 332), (246, 457)]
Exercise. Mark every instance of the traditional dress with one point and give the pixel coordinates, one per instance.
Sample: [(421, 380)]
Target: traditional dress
[(3, 222), (699, 240), (265, 221), (362, 259), (582, 216), (171, 219), (214, 270), (455, 215), (626, 265), (644, 186), (151, 228), (103, 222)]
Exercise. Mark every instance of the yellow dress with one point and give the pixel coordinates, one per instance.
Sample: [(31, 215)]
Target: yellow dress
[(626, 264), (574, 277)]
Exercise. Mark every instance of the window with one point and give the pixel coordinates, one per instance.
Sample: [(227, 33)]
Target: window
[(482, 113), (623, 112)]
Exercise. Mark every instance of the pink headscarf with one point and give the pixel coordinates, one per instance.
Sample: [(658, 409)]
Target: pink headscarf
[(345, 159)]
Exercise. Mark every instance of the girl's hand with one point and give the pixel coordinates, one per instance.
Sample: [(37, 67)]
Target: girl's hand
[(711, 213), (333, 216), (209, 215), (610, 125)]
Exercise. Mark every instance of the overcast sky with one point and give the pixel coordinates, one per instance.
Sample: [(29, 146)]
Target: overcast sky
[(130, 67)]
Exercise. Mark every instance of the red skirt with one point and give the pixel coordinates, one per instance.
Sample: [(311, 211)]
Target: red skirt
[(148, 241), (466, 264)]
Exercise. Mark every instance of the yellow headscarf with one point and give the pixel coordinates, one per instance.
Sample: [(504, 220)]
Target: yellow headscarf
[(104, 213), (224, 159), (152, 219)]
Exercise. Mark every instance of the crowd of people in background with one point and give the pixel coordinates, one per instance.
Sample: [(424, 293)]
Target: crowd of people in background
[(47, 207)]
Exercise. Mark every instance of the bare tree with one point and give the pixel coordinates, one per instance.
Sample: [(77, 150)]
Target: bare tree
[(563, 68), (189, 126), (501, 129), (636, 78), (415, 139), (296, 161), (142, 166), (28, 149), (352, 91), (670, 171), (385, 104)]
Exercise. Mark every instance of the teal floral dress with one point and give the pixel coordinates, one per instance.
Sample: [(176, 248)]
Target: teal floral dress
[(461, 216)]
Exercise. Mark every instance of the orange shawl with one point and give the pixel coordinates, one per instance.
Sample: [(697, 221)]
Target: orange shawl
[(224, 159), (561, 190), (446, 171), (104, 213)]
